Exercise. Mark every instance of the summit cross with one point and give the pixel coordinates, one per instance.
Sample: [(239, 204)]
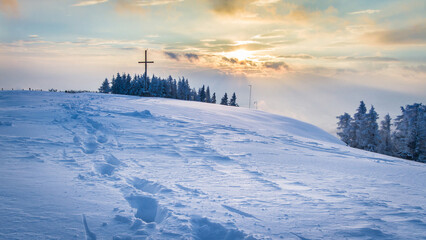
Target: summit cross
[(146, 67)]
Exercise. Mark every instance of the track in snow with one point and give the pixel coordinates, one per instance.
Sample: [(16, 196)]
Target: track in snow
[(140, 168)]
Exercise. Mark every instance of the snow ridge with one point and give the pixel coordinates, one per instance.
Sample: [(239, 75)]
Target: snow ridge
[(149, 168)]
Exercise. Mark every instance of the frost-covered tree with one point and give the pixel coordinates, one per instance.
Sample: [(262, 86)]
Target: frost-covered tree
[(224, 100), (126, 84), (157, 87), (105, 88), (385, 143), (208, 97), (202, 94), (213, 100), (344, 127), (233, 101), (410, 134), (116, 84), (372, 130), (358, 126)]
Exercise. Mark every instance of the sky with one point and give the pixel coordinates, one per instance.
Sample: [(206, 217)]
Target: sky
[(310, 60)]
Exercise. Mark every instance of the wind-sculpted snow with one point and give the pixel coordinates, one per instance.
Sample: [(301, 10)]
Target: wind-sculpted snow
[(98, 166)]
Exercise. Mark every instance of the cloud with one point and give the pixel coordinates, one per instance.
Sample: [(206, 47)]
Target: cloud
[(372, 59), (301, 56), (230, 60), (9, 7), (140, 6), (88, 3), (125, 6), (417, 69), (411, 35), (172, 55), (143, 3), (261, 3), (368, 11), (191, 56), (276, 65), (229, 7), (240, 62)]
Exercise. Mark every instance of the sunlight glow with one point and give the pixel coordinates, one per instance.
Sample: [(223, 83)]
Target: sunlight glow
[(239, 54)]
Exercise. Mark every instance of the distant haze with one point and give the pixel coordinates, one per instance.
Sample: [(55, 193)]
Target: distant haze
[(310, 60)]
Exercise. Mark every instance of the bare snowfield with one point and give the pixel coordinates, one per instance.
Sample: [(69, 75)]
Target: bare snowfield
[(98, 166)]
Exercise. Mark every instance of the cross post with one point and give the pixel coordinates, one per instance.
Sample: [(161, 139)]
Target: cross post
[(146, 68)]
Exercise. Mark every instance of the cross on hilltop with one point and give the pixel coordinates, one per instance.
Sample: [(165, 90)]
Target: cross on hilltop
[(146, 67)]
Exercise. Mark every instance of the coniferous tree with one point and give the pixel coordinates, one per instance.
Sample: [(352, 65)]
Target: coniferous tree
[(213, 100), (116, 84), (372, 130), (193, 95), (385, 144), (410, 134), (358, 126), (105, 88), (126, 84), (208, 97), (224, 100), (202, 94), (157, 87), (233, 101), (344, 127)]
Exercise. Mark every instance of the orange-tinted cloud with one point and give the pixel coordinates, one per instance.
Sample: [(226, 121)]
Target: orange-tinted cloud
[(141, 6), (229, 6), (414, 35), (276, 65), (128, 6), (9, 7), (89, 2)]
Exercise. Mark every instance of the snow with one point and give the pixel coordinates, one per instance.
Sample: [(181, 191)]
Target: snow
[(98, 166)]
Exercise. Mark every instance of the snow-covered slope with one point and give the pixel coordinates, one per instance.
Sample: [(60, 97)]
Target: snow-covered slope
[(98, 166)]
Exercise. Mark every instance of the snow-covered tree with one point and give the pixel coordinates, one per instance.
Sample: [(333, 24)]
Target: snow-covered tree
[(157, 87), (344, 127), (224, 100), (372, 129), (202, 94), (208, 97), (126, 84), (213, 100), (385, 143), (116, 84), (358, 126), (233, 101), (105, 88), (410, 134)]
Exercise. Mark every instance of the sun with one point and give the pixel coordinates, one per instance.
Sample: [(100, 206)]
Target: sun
[(239, 54)]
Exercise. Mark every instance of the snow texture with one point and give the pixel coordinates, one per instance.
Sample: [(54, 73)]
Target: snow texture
[(99, 166)]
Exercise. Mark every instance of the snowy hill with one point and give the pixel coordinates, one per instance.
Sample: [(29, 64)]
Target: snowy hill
[(98, 166)]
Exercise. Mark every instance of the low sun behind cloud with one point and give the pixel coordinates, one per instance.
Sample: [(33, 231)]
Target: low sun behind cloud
[(9, 7)]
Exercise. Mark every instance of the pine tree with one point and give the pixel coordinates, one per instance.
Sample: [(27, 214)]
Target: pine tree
[(126, 84), (104, 88), (372, 130), (213, 100), (410, 134), (385, 144), (233, 101), (344, 127), (116, 84), (224, 100), (202, 94), (358, 126), (208, 98)]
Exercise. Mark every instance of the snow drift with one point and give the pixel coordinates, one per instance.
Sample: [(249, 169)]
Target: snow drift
[(100, 166)]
